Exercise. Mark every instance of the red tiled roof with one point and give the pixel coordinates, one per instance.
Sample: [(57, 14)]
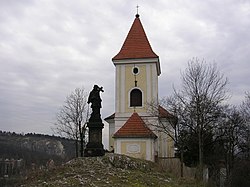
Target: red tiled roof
[(163, 113), (134, 127), (136, 45)]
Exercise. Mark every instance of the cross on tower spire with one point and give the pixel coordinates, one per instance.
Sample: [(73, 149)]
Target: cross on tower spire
[(137, 10)]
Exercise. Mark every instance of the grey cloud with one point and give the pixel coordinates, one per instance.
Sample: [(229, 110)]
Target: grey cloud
[(48, 48)]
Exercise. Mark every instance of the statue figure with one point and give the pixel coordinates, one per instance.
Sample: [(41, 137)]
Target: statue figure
[(95, 100)]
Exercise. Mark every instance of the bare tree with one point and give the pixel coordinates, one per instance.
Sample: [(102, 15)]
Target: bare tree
[(233, 130), (202, 91), (167, 120), (195, 108), (245, 110), (72, 118), (245, 107)]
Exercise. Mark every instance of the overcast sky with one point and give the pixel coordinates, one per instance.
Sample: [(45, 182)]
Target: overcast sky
[(50, 47)]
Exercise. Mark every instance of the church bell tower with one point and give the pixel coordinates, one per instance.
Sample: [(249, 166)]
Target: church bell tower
[(137, 69)]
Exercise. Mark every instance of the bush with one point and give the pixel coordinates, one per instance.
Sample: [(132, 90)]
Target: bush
[(240, 176)]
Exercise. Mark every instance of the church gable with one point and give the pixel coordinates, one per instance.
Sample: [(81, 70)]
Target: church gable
[(134, 127)]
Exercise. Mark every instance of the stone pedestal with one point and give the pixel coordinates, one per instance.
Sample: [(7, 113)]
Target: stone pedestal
[(94, 147)]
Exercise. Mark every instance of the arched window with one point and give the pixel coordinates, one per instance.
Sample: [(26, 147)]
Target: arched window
[(135, 98)]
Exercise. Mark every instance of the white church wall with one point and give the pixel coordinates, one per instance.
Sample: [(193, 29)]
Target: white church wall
[(136, 147)]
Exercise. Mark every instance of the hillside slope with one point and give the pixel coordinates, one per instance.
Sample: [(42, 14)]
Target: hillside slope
[(35, 147), (109, 170)]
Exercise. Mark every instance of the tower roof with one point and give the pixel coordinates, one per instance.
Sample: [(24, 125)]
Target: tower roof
[(134, 127), (136, 44)]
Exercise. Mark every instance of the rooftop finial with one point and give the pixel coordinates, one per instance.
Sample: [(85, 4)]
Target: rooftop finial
[(137, 14)]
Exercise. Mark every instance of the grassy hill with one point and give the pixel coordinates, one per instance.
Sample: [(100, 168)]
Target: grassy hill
[(109, 170)]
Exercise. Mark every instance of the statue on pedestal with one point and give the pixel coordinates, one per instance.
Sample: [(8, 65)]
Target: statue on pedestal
[(94, 146)]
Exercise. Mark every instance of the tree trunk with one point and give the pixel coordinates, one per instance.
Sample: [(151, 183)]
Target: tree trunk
[(81, 138), (76, 146), (82, 132), (182, 163), (81, 148), (200, 167)]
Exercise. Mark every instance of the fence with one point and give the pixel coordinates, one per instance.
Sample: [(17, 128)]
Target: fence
[(173, 165)]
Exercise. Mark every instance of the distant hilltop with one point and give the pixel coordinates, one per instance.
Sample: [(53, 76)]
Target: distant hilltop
[(35, 148)]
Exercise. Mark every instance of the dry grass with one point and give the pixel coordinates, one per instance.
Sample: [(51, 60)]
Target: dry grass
[(110, 170)]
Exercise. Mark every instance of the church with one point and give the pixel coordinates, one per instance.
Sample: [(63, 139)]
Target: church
[(133, 130)]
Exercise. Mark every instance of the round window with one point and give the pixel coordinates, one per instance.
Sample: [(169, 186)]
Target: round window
[(135, 70)]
